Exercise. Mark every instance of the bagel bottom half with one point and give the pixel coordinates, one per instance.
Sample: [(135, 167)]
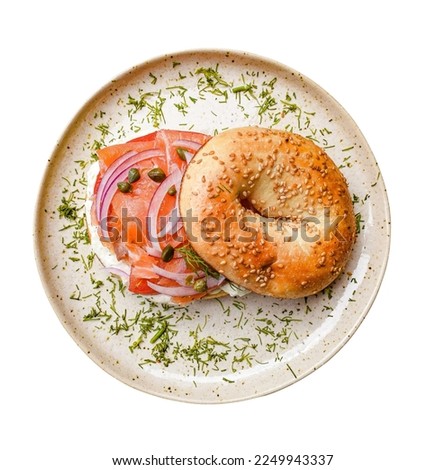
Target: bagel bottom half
[(269, 210)]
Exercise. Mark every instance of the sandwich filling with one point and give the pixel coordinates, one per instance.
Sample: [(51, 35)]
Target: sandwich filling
[(134, 223)]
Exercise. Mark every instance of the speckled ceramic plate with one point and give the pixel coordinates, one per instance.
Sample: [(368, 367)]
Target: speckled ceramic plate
[(215, 350)]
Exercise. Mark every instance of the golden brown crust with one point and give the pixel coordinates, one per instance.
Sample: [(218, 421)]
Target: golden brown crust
[(269, 210)]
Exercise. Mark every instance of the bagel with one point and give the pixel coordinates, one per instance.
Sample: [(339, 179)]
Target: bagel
[(269, 210)]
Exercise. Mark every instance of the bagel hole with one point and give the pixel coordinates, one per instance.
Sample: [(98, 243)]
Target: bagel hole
[(264, 216), (247, 204)]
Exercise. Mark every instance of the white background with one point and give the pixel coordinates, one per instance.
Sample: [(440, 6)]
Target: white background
[(379, 403)]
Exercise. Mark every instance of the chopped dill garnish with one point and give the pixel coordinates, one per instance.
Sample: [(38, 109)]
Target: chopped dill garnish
[(268, 104), (247, 87), (204, 351), (96, 283), (212, 82), (152, 102), (67, 208), (96, 314), (359, 222), (76, 295), (328, 291), (291, 371), (154, 79), (228, 380), (104, 129), (160, 331), (378, 176)]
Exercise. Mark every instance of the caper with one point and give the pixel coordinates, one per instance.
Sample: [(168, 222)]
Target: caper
[(200, 285), (133, 175), (167, 253), (124, 186), (157, 174), (181, 153), (172, 190)]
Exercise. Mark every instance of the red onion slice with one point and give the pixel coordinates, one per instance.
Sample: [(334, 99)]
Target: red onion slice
[(180, 278), (168, 155), (182, 291), (115, 167), (109, 173), (173, 224), (108, 185), (158, 253), (213, 282), (188, 156), (153, 252), (179, 291), (187, 144), (189, 147), (173, 178)]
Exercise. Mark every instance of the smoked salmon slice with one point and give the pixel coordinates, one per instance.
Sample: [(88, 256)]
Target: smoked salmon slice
[(136, 211)]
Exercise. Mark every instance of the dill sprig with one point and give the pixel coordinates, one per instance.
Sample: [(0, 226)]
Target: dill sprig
[(195, 262), (203, 352)]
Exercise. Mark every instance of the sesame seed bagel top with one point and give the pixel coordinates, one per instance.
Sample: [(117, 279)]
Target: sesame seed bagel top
[(269, 210)]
